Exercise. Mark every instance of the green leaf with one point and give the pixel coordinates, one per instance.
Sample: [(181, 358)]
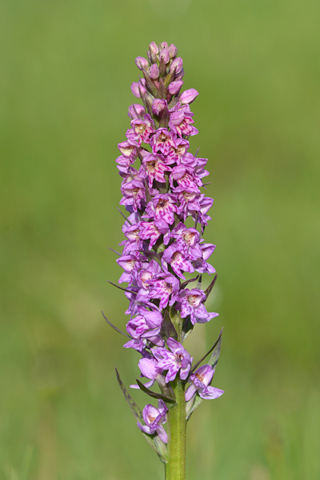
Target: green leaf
[(213, 360), (184, 284), (132, 404), (169, 78), (187, 328), (209, 289), (192, 405), (152, 394), (121, 288), (149, 83), (215, 349), (167, 327), (138, 415), (115, 328)]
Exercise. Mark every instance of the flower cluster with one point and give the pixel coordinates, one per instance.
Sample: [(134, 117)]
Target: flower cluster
[(161, 191)]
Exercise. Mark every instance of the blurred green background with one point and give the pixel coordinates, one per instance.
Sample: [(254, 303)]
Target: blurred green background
[(65, 76)]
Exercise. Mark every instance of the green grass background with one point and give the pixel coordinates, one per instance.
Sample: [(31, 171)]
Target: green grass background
[(65, 73)]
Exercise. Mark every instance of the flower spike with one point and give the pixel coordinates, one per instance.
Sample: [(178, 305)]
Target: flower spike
[(162, 187)]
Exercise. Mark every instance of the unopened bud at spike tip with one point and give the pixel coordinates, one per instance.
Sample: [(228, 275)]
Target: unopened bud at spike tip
[(154, 71), (138, 89), (164, 55), (136, 111), (175, 87), (163, 45), (176, 65), (142, 63), (188, 96), (153, 50), (158, 106), (172, 50)]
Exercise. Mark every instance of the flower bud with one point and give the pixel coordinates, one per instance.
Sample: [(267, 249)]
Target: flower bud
[(188, 96), (137, 89), (163, 45), (158, 106), (154, 71), (164, 55), (180, 75), (136, 111), (172, 50), (147, 99), (142, 63), (174, 87), (154, 50), (176, 65)]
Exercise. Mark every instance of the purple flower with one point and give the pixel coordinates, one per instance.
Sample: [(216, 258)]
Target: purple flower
[(134, 242), (188, 199), (201, 215), (191, 304), (179, 262), (154, 418), (164, 287), (162, 207), (146, 325), (201, 265), (200, 381), (149, 368), (163, 141), (181, 120), (146, 274), (130, 264), (153, 230), (131, 232), (182, 146), (133, 194), (155, 168), (128, 149), (141, 129), (137, 344), (188, 241), (184, 176), (173, 361), (189, 160), (124, 164), (131, 296)]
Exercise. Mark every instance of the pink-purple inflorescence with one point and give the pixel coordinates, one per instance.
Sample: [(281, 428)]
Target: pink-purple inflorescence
[(162, 190)]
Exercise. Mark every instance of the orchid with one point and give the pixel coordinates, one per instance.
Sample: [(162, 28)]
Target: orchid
[(153, 418), (161, 189), (200, 382)]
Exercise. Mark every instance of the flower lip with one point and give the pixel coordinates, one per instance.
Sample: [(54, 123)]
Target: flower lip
[(194, 300)]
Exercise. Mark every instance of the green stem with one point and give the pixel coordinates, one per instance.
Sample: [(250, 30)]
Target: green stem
[(176, 466)]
